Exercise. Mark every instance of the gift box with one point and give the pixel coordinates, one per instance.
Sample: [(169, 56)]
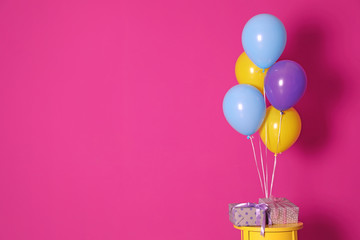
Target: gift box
[(281, 210), (248, 214)]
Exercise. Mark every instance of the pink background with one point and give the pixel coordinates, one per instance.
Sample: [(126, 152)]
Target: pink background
[(112, 124)]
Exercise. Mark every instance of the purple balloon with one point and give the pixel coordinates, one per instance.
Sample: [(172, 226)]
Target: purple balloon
[(285, 84)]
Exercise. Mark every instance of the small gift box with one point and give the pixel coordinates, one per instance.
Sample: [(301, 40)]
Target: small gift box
[(281, 210), (248, 214)]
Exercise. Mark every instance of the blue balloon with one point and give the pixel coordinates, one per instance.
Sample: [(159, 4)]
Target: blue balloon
[(244, 108), (264, 39)]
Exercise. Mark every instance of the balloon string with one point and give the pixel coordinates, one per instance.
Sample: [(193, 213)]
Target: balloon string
[(257, 167), (273, 174), (278, 140), (275, 157), (266, 182), (262, 167)]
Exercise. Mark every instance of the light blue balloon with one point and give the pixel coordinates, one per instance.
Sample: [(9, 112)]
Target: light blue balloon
[(264, 39), (244, 108)]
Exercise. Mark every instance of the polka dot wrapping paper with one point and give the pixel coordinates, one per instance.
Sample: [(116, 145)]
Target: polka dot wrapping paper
[(282, 211), (245, 216)]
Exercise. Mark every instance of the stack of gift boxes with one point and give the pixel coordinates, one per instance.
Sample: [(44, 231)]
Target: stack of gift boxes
[(267, 212)]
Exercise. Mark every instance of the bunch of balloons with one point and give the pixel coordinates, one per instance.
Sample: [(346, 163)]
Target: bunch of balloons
[(283, 83)]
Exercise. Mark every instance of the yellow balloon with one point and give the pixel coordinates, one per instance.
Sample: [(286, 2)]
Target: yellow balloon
[(248, 73), (289, 132)]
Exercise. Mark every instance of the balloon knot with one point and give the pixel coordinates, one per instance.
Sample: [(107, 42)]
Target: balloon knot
[(281, 112), (263, 69), (248, 137)]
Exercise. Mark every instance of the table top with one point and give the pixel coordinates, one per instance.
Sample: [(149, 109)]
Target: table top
[(273, 228)]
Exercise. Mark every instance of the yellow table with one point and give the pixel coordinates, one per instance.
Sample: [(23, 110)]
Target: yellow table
[(272, 232)]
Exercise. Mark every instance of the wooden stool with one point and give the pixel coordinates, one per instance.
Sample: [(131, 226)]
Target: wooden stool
[(272, 232)]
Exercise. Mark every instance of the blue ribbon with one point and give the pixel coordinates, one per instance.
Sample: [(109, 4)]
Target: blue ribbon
[(259, 207)]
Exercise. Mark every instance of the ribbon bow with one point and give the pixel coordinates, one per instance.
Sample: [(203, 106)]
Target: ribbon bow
[(258, 207)]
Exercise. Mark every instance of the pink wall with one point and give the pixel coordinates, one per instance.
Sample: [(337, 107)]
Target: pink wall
[(112, 125)]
